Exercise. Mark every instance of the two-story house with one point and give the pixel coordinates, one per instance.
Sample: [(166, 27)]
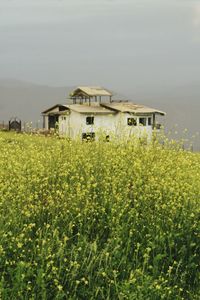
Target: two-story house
[(92, 112)]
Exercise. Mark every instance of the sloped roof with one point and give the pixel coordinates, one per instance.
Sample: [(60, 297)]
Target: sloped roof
[(95, 109), (131, 108), (53, 107), (90, 91), (105, 108)]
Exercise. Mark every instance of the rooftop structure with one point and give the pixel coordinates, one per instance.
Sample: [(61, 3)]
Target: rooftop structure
[(90, 94)]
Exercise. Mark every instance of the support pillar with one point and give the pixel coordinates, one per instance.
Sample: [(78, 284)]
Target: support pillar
[(154, 121)]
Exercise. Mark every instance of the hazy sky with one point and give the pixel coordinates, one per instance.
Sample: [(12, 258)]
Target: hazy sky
[(115, 43)]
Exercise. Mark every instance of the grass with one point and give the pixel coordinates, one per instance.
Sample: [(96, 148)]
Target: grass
[(98, 220)]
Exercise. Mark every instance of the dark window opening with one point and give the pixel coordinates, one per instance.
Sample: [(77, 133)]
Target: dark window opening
[(89, 120), (107, 138), (53, 120), (149, 122), (143, 121), (88, 136), (131, 122)]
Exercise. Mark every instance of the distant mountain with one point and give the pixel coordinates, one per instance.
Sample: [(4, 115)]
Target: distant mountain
[(27, 100), (182, 105), (14, 83)]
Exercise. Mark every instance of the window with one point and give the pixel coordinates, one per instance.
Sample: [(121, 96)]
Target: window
[(149, 121), (107, 138), (89, 120), (88, 136), (143, 121), (131, 122)]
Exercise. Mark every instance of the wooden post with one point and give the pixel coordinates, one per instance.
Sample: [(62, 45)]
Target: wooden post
[(154, 121)]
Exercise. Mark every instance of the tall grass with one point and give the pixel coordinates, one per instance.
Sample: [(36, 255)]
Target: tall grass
[(117, 220)]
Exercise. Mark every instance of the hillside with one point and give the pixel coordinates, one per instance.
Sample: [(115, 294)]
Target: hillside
[(182, 105), (26, 100)]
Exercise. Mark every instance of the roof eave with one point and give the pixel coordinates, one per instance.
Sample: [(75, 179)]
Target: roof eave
[(80, 90), (162, 113)]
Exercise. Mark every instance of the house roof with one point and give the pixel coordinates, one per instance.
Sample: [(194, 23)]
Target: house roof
[(95, 109), (53, 107), (90, 91), (131, 108), (104, 108)]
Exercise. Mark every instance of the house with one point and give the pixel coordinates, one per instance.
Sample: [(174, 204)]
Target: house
[(92, 110)]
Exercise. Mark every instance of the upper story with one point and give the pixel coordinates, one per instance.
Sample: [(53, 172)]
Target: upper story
[(90, 94)]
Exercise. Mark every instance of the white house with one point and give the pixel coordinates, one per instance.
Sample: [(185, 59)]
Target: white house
[(92, 113)]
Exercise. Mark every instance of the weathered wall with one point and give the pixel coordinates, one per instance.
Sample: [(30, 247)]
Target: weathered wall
[(74, 125)]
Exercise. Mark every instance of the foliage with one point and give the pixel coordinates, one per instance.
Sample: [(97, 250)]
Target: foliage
[(98, 220)]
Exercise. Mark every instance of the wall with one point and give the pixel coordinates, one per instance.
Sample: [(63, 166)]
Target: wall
[(64, 125), (123, 129), (74, 125)]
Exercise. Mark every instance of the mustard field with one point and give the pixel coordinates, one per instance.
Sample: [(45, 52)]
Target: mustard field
[(98, 220)]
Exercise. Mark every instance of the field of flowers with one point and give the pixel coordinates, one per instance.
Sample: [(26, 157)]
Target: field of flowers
[(98, 220)]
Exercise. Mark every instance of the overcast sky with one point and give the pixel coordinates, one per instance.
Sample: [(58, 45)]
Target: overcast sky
[(114, 43)]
